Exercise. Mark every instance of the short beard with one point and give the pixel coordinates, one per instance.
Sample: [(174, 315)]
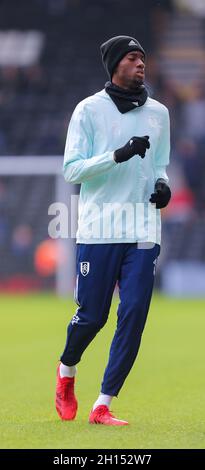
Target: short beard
[(135, 83)]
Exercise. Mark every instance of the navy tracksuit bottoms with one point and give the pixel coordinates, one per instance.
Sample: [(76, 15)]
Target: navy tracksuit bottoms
[(99, 267)]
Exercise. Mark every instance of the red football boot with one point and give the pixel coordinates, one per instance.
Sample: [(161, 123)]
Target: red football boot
[(102, 415), (66, 403)]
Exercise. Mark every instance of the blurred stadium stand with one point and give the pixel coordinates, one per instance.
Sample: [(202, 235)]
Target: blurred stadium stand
[(56, 65)]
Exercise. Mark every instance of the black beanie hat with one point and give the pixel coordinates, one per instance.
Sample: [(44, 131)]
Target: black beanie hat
[(115, 49)]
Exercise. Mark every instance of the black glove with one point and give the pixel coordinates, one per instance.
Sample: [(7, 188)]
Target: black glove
[(161, 195), (135, 146)]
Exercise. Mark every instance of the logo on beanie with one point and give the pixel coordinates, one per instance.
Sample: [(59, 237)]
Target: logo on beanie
[(132, 43)]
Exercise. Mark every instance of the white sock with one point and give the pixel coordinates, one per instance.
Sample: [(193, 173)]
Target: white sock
[(103, 400), (67, 371)]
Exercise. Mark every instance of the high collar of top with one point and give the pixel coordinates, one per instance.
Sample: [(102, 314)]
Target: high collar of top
[(126, 100)]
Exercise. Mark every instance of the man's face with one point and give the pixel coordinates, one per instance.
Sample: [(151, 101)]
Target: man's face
[(130, 71)]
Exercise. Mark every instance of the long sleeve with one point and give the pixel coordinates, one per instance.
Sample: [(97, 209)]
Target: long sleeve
[(79, 163), (163, 150)]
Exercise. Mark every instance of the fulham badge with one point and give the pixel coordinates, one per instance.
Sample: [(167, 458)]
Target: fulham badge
[(84, 268)]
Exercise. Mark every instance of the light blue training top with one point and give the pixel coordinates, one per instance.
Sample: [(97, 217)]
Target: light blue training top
[(114, 202)]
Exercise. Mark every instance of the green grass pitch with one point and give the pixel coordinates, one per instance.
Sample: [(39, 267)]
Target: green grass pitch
[(163, 398)]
